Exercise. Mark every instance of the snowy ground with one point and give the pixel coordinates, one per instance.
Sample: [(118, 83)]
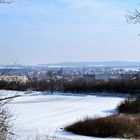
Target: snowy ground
[(41, 114)]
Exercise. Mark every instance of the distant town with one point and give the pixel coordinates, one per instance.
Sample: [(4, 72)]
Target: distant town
[(70, 72)]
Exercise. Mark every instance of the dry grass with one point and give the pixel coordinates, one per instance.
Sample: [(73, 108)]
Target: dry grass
[(119, 126)]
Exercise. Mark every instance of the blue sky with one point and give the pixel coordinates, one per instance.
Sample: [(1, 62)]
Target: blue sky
[(48, 31)]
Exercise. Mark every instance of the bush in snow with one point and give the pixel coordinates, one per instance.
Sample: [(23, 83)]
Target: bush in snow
[(130, 106), (110, 126)]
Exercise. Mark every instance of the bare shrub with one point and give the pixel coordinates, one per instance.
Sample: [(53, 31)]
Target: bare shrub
[(5, 129), (130, 106), (110, 126)]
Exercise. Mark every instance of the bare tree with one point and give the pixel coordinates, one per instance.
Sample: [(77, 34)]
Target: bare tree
[(5, 119), (133, 16), (5, 116), (5, 132)]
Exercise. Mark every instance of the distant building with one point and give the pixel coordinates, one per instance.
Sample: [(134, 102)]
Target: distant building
[(68, 78), (17, 79), (115, 77), (126, 76), (104, 77), (89, 77)]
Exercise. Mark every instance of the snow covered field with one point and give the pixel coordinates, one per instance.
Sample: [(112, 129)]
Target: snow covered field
[(42, 114)]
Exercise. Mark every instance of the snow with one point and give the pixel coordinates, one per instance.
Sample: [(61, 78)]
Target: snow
[(40, 114)]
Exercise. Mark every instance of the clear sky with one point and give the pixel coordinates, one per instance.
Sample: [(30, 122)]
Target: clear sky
[(47, 31)]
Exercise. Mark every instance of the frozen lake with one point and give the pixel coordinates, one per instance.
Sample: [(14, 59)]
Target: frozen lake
[(41, 114)]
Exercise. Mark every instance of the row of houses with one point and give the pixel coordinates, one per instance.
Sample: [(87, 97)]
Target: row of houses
[(17, 79), (69, 77), (107, 77)]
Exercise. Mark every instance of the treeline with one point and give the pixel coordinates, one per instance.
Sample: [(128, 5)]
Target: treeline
[(77, 86), (117, 86), (42, 85)]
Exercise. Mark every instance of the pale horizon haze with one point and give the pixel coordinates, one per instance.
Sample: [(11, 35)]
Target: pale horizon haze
[(50, 31)]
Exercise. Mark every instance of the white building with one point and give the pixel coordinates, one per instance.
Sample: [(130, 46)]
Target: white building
[(17, 79)]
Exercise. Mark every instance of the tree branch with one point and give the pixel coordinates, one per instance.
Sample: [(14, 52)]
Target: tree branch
[(133, 16), (6, 1)]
